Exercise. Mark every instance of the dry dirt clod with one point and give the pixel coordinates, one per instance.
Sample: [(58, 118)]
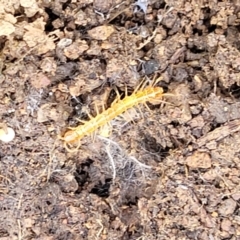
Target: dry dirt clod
[(102, 5), (168, 170), (101, 32), (220, 133), (7, 28), (226, 225), (40, 80), (75, 50), (52, 112), (227, 207), (199, 160)]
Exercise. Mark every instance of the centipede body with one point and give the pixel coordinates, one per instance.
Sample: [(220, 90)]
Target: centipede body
[(118, 107)]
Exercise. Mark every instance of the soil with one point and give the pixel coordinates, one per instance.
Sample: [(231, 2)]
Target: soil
[(168, 170)]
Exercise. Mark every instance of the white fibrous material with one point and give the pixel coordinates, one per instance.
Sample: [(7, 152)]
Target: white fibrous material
[(142, 4)]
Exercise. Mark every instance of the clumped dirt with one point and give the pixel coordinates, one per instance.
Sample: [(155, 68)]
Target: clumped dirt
[(166, 171)]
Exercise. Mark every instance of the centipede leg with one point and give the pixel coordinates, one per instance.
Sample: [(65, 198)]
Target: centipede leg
[(96, 108), (147, 107), (115, 101), (110, 127), (126, 90), (144, 84), (103, 107), (71, 128), (123, 117), (79, 120), (138, 87), (106, 130), (93, 136), (117, 93), (89, 115), (129, 117), (139, 109), (156, 80), (153, 82)]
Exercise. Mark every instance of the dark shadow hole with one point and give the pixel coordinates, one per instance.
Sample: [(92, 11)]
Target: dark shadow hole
[(102, 189), (52, 17), (81, 175)]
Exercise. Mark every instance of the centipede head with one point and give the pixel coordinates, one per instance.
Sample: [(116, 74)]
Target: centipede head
[(71, 141)]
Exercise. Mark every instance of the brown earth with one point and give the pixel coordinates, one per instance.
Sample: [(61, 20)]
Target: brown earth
[(167, 171)]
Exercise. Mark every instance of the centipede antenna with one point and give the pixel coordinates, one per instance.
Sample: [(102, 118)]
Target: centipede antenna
[(78, 146), (66, 145)]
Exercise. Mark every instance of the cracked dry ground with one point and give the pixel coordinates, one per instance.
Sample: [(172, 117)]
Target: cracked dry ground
[(170, 170)]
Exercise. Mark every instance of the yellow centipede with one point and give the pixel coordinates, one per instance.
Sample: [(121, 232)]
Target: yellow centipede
[(119, 106)]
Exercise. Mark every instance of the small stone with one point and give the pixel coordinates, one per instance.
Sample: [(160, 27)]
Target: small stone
[(7, 135), (214, 214), (150, 66)]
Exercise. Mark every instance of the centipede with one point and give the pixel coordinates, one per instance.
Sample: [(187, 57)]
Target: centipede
[(141, 95)]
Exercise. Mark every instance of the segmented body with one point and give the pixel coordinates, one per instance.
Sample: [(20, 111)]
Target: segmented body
[(149, 93)]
